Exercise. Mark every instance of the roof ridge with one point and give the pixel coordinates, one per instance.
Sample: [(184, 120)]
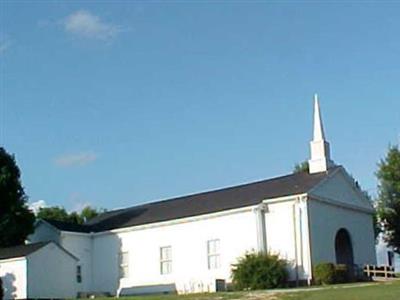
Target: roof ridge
[(181, 197), (209, 191), (226, 198), (291, 182)]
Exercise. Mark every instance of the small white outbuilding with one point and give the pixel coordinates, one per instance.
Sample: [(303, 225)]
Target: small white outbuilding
[(33, 271)]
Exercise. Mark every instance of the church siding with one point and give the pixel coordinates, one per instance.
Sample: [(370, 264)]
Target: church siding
[(188, 241), (326, 220), (287, 235)]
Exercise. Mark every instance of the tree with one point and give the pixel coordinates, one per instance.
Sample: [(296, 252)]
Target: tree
[(59, 213), (16, 220), (89, 213), (56, 213), (388, 175), (301, 167)]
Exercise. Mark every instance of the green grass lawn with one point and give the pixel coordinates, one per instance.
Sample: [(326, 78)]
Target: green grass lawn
[(378, 291), (369, 291)]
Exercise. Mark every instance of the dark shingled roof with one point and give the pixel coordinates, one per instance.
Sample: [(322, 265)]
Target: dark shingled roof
[(67, 226), (202, 203), (20, 251)]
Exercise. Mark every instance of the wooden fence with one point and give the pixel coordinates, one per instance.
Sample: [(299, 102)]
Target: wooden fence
[(379, 271)]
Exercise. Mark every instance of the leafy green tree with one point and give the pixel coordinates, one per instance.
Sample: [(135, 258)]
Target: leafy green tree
[(75, 217), (301, 167), (58, 213), (16, 220), (89, 213), (388, 175)]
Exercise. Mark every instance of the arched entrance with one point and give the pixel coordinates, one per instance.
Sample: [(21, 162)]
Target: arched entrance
[(343, 248)]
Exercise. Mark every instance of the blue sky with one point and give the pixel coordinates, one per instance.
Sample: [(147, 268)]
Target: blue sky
[(118, 103)]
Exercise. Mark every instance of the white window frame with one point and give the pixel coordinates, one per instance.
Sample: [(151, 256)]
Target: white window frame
[(124, 264), (213, 254), (165, 261)]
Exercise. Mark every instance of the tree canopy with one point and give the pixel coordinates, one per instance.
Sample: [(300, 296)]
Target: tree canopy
[(388, 175), (59, 213), (301, 167), (16, 220)]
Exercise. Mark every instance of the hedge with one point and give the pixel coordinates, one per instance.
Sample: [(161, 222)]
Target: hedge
[(329, 273), (255, 271)]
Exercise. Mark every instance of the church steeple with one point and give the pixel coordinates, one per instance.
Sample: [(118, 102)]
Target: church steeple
[(320, 153), (318, 128)]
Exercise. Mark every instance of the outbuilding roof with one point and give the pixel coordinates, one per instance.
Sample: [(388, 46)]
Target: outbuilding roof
[(67, 226), (202, 203), (21, 250)]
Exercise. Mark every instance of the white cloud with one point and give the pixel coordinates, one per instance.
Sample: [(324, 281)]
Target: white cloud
[(76, 159), (84, 24), (37, 205)]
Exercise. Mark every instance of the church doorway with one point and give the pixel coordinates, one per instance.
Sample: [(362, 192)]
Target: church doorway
[(343, 248)]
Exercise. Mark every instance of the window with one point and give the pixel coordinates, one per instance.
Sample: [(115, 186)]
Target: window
[(165, 260), (124, 264), (213, 255), (78, 274)]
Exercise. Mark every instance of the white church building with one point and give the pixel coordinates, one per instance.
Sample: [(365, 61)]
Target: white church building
[(188, 244)]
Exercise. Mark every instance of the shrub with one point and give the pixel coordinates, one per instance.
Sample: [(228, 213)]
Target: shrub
[(257, 271), (324, 273), (328, 273), (342, 274)]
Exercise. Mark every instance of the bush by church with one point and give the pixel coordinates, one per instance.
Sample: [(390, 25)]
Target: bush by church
[(329, 273), (256, 271)]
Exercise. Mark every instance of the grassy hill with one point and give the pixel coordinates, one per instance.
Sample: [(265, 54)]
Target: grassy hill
[(362, 291)]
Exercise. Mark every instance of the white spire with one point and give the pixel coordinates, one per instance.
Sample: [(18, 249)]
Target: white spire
[(318, 128), (320, 153)]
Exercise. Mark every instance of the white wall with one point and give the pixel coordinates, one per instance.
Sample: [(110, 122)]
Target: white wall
[(80, 245), (287, 235), (13, 274), (326, 220), (237, 234), (105, 252), (51, 273), (334, 204)]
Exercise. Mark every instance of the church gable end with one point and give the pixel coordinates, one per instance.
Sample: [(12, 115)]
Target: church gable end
[(340, 188)]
